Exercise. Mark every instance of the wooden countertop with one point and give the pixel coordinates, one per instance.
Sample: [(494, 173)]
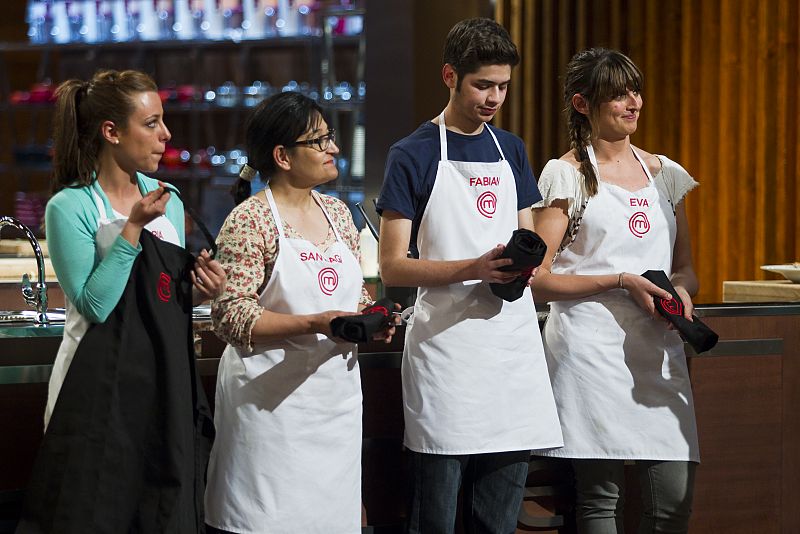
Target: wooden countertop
[(12, 269), (760, 291)]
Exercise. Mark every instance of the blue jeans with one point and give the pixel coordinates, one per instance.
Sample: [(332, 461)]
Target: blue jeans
[(667, 491), (493, 486)]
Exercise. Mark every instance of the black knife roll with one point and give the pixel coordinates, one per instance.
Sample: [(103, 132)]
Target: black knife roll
[(360, 328), (527, 250), (695, 332)]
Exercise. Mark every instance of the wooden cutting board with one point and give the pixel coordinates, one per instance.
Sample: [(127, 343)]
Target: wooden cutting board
[(760, 291), (20, 247), (12, 269)]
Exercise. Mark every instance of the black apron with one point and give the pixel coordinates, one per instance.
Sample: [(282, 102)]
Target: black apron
[(127, 446)]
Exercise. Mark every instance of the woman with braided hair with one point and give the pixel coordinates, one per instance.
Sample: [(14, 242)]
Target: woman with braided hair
[(610, 211)]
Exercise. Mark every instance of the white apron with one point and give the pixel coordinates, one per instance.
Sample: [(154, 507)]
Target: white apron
[(474, 374), (620, 378), (287, 456), (76, 325)]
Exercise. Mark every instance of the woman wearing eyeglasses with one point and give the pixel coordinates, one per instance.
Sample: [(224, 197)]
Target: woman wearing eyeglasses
[(288, 403)]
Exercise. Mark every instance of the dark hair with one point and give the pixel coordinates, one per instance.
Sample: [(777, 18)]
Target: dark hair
[(81, 107), (278, 120), (599, 75), (473, 43)]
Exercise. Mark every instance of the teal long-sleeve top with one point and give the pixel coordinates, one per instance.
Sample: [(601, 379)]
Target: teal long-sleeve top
[(94, 285)]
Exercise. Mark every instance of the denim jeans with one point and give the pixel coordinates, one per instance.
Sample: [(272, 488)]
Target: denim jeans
[(492, 484), (667, 491)]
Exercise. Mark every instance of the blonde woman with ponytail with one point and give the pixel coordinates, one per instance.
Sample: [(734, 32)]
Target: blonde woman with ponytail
[(611, 211)]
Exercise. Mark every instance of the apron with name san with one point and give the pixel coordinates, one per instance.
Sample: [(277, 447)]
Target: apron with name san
[(474, 373), (287, 458), (128, 437), (620, 377)]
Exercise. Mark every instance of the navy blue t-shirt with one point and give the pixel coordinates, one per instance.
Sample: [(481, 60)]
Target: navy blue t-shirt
[(412, 163)]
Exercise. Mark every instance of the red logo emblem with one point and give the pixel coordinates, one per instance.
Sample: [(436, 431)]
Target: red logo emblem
[(487, 204), (328, 280), (638, 224), (163, 291), (674, 306)]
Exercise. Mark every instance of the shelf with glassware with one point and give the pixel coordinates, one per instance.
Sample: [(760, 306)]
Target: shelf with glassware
[(204, 97)]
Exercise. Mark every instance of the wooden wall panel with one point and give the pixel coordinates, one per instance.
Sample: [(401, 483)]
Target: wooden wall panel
[(721, 79)]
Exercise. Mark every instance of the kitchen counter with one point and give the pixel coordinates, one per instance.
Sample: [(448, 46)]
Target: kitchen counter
[(12, 269), (760, 291), (746, 391)]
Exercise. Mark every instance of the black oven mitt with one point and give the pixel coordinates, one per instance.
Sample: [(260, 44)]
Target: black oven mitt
[(527, 250), (360, 328), (695, 332)]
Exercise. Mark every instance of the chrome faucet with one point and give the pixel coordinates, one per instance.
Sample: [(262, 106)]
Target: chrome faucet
[(34, 295)]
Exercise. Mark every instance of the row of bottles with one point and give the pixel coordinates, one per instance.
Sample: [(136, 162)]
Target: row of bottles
[(96, 21)]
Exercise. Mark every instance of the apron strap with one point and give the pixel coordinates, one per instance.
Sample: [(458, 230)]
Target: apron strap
[(496, 142), (275, 214), (196, 218), (442, 138), (101, 207), (644, 166), (327, 215)]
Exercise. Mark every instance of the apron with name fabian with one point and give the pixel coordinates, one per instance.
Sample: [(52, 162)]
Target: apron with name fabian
[(474, 373), (126, 445), (287, 458), (620, 378)]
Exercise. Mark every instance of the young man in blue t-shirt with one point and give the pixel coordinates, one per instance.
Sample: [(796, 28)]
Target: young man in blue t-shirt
[(476, 391)]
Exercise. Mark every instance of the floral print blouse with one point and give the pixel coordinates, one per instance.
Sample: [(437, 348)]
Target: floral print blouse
[(247, 249)]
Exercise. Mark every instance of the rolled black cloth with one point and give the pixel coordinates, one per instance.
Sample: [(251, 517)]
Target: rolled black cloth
[(358, 328), (527, 250), (695, 332)]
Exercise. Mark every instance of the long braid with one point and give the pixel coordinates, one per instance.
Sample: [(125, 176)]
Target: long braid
[(579, 139)]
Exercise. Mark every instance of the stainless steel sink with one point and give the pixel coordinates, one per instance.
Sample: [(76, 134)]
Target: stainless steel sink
[(54, 316)]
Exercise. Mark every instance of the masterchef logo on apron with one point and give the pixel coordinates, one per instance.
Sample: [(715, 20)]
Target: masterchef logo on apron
[(638, 224), (163, 290), (328, 280), (487, 201)]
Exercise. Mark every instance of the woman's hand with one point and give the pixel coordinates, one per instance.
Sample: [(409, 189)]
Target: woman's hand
[(387, 333), (150, 207), (688, 305), (208, 278), (642, 291), (321, 322)]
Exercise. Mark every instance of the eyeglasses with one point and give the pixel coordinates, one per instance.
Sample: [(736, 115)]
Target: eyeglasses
[(321, 143)]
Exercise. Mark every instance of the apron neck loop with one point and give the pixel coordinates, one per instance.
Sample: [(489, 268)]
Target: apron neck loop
[(279, 222), (443, 139), (593, 159)]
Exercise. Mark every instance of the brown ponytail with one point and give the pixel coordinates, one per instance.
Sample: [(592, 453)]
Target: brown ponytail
[(81, 108), (240, 190)]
